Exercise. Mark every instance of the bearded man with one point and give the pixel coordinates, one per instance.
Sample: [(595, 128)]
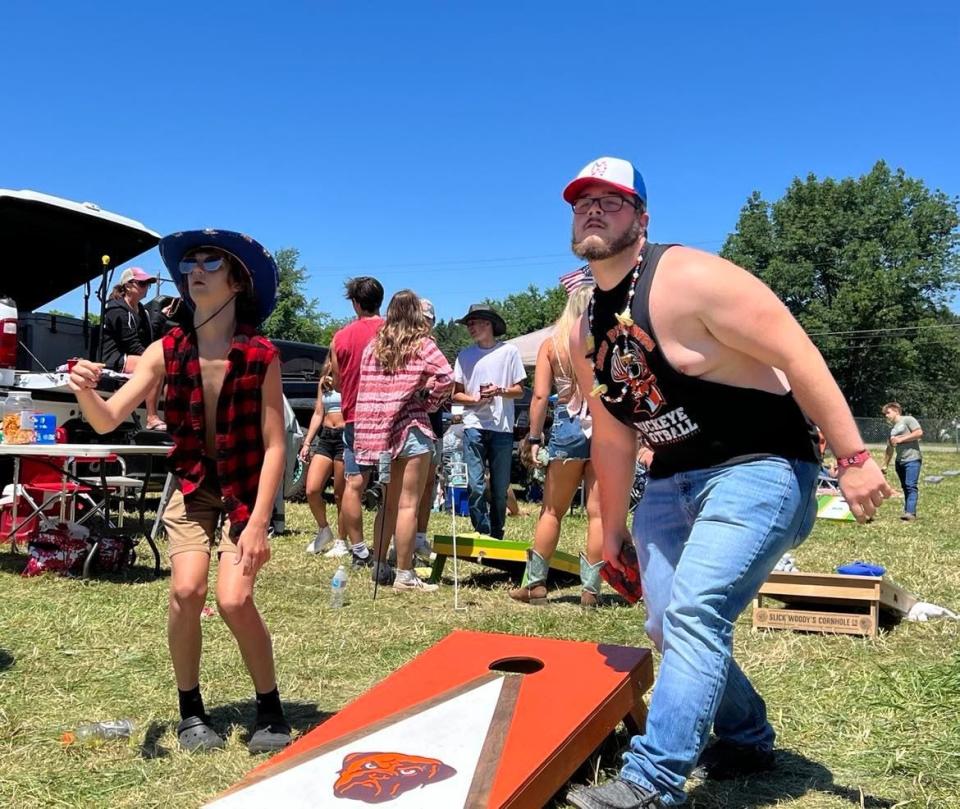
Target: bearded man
[(704, 362)]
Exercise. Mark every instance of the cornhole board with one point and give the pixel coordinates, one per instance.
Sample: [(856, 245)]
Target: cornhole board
[(461, 726), (833, 507), (849, 604), (503, 554)]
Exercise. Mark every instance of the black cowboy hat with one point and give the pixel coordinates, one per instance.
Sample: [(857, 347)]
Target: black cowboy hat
[(484, 312)]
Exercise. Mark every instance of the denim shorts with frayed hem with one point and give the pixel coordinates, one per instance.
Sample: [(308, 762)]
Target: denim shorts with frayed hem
[(567, 439)]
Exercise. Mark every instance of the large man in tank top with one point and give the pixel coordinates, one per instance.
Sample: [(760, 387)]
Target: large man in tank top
[(707, 366)]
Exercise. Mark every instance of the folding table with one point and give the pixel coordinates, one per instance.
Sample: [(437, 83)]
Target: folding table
[(70, 453)]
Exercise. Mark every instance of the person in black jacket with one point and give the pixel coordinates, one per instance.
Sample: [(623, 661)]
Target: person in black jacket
[(127, 331)]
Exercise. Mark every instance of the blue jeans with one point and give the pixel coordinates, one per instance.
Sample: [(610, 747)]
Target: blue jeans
[(909, 474), (706, 540), (350, 465), (495, 449)]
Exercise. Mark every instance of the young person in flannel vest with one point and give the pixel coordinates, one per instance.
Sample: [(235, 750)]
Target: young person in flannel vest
[(224, 411)]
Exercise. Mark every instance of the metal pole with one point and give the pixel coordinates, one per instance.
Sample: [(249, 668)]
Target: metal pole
[(102, 294)]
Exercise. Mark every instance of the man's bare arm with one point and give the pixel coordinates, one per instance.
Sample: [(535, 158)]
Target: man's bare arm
[(334, 365), (743, 313)]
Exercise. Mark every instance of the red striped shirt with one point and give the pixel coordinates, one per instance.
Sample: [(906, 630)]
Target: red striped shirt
[(389, 404)]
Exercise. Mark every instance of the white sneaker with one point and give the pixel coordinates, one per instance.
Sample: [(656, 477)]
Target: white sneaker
[(339, 549), (414, 583), (319, 543)]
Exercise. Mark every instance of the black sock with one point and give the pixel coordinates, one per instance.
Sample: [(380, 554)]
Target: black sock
[(269, 709), (191, 703)]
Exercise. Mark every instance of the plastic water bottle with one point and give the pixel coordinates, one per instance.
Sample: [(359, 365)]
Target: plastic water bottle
[(383, 472), (338, 587), (99, 732)]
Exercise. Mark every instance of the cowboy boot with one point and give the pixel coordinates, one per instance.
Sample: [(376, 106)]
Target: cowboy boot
[(590, 582), (536, 574)]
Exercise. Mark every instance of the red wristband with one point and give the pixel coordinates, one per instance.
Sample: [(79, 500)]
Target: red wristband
[(857, 459)]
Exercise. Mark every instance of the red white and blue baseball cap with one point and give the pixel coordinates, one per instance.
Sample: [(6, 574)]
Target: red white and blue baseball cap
[(613, 171)]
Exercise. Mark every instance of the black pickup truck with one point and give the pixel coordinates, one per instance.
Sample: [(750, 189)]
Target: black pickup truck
[(300, 367)]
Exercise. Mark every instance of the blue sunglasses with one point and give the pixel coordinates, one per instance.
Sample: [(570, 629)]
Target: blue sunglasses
[(211, 264)]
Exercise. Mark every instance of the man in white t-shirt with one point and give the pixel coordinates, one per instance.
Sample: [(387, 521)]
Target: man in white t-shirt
[(488, 376)]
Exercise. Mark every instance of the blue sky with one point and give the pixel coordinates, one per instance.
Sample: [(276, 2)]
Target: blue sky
[(427, 143)]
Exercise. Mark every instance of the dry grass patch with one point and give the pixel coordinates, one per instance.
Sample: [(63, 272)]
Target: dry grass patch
[(860, 722)]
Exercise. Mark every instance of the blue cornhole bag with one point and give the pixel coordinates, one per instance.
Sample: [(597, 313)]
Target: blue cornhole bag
[(860, 568)]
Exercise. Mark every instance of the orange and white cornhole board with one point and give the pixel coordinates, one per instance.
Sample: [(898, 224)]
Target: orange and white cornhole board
[(477, 720)]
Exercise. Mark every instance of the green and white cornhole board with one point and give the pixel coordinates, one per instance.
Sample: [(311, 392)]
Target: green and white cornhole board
[(833, 507), (502, 554)]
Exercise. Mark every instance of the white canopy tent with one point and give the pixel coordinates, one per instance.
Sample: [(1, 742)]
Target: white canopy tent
[(529, 344)]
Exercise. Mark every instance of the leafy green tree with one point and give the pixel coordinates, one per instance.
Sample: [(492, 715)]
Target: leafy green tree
[(451, 338), (527, 311), (522, 312), (94, 317), (868, 266), (295, 316)]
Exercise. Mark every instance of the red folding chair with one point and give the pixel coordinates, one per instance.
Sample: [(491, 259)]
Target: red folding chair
[(42, 481)]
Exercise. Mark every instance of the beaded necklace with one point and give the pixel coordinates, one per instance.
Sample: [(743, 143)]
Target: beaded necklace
[(624, 321)]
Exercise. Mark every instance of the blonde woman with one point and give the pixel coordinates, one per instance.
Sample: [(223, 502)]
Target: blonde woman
[(403, 377), (567, 460), (326, 426)]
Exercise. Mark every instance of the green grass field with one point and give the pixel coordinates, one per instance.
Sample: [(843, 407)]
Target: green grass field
[(871, 723)]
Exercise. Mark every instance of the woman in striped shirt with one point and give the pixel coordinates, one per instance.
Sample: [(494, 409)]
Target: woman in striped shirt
[(403, 377)]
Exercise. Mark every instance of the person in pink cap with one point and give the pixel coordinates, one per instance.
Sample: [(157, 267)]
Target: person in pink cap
[(126, 332)]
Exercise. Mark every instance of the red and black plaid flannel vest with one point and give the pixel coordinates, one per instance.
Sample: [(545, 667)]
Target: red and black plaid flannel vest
[(239, 436)]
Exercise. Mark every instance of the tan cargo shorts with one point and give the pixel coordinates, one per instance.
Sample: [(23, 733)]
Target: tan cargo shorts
[(191, 522)]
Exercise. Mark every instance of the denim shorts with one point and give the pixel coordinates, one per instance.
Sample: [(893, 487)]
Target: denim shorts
[(417, 442), (329, 443), (567, 441), (350, 465)]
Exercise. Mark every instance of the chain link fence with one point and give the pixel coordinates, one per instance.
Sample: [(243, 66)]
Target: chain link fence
[(942, 433)]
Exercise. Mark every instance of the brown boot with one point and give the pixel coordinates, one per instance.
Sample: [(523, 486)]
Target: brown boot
[(588, 599), (590, 582), (535, 594), (536, 577)]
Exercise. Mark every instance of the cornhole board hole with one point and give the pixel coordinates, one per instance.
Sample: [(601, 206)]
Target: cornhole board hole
[(933, 479), (477, 720), (829, 602), (503, 554)]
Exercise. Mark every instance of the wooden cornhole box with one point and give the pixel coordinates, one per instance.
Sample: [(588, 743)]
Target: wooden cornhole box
[(502, 554), (847, 604), (478, 721)]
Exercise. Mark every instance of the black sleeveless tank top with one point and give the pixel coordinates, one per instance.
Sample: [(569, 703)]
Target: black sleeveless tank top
[(688, 422)]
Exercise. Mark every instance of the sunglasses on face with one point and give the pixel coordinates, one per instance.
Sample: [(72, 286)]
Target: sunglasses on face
[(208, 264), (143, 284)]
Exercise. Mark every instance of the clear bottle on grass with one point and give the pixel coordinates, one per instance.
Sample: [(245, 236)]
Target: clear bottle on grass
[(338, 587), (99, 732)]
